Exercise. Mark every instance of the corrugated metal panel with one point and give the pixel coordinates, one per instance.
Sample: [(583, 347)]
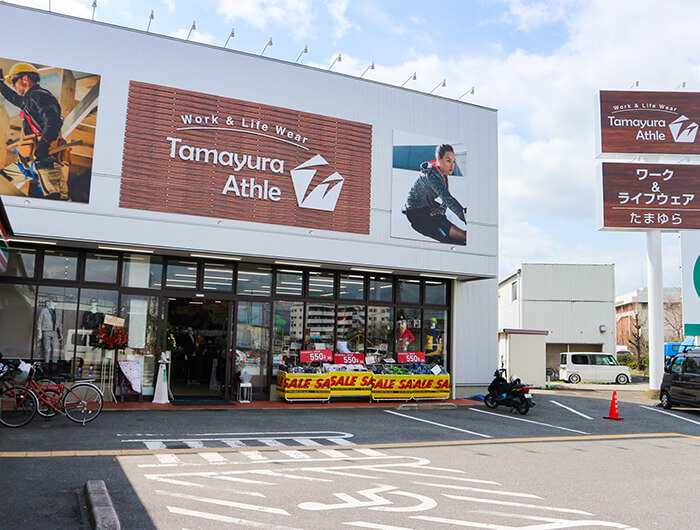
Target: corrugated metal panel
[(568, 282)]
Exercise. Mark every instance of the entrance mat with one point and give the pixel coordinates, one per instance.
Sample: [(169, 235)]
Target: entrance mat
[(194, 401)]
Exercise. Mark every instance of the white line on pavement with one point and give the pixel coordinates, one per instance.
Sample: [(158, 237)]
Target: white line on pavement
[(271, 442), (480, 490), (570, 409), (340, 441), (459, 522), (333, 453), (213, 458), (518, 504), (368, 452), (306, 441), (528, 421), (167, 458), (293, 453), (558, 523), (154, 445), (416, 473), (254, 455), (375, 526), (670, 414), (193, 444), (225, 519), (438, 424), (232, 442), (221, 502)]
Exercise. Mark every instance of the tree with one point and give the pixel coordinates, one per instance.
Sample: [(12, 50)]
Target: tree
[(673, 317), (637, 338)]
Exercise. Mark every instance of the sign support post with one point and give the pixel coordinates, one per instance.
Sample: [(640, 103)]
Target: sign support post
[(655, 311)]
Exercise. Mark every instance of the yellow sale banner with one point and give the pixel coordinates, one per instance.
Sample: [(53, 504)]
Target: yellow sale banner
[(391, 386), (431, 386), (303, 386), (351, 383)]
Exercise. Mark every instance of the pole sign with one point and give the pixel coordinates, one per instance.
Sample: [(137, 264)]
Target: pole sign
[(649, 122), (690, 281), (651, 196)]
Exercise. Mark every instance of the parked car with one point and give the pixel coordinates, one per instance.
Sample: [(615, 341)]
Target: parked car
[(592, 367), (681, 382)]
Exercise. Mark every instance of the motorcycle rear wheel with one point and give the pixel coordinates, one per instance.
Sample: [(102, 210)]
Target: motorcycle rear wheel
[(490, 401), (522, 406)]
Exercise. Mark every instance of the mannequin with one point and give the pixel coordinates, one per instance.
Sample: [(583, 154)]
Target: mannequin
[(404, 337), (434, 338), (49, 326), (92, 318)]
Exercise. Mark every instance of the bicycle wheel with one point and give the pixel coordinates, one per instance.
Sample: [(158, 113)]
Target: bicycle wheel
[(82, 402), (18, 405), (49, 398)]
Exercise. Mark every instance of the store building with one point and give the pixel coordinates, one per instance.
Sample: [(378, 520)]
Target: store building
[(236, 209)]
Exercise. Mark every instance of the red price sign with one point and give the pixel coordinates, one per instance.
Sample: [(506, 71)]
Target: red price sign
[(310, 356), (411, 357), (349, 358)]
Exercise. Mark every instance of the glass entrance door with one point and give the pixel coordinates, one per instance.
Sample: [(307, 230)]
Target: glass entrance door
[(198, 337), (253, 345)]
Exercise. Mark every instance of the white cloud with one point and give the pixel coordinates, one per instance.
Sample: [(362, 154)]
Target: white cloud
[(295, 15), (341, 24), (196, 36), (527, 16), (74, 8)]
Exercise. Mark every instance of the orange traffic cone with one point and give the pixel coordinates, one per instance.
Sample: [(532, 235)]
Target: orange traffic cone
[(614, 413)]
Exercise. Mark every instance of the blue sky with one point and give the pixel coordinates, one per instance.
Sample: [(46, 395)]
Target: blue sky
[(539, 62)]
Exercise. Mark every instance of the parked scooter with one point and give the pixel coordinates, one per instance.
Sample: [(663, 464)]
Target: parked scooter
[(509, 394)]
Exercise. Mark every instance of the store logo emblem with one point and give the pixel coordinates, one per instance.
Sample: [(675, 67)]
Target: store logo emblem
[(325, 195), (683, 131)]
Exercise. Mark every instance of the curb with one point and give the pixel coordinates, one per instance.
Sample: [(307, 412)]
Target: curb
[(102, 514)]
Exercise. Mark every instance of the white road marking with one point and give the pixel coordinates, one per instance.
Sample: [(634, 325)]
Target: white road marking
[(271, 473), (331, 471), (333, 453), (306, 441), (254, 455), (340, 441), (233, 442), (226, 519), (375, 526), (459, 522), (213, 458), (153, 445), (517, 504), (417, 474), (293, 453), (271, 442), (193, 444), (559, 523), (221, 502), (167, 458), (529, 421), (438, 424), (368, 452), (570, 409), (480, 490), (671, 414)]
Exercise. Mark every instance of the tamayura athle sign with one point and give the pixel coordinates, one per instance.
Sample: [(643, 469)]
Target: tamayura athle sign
[(199, 154)]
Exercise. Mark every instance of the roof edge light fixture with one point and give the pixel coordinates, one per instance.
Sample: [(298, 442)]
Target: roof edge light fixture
[(370, 67), (192, 28), (682, 85), (302, 52), (442, 83), (94, 6), (269, 43), (412, 78), (150, 19), (635, 84), (124, 249), (230, 36), (438, 276), (378, 271), (338, 59), (297, 264), (470, 91), (215, 256)]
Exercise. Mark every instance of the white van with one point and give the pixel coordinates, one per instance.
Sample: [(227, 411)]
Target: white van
[(593, 367)]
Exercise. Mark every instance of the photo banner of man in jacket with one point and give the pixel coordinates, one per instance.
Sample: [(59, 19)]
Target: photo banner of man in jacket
[(47, 129)]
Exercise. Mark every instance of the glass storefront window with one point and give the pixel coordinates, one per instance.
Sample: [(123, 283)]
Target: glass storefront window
[(321, 284), (55, 324), (254, 280), (435, 292), (142, 270), (20, 263), (380, 325), (287, 328), (181, 274), (350, 328), (94, 305), (381, 289), (141, 323), (16, 320), (408, 330), (409, 291), (352, 286), (60, 265), (253, 343), (320, 323), (101, 268), (289, 282), (218, 277), (435, 333)]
